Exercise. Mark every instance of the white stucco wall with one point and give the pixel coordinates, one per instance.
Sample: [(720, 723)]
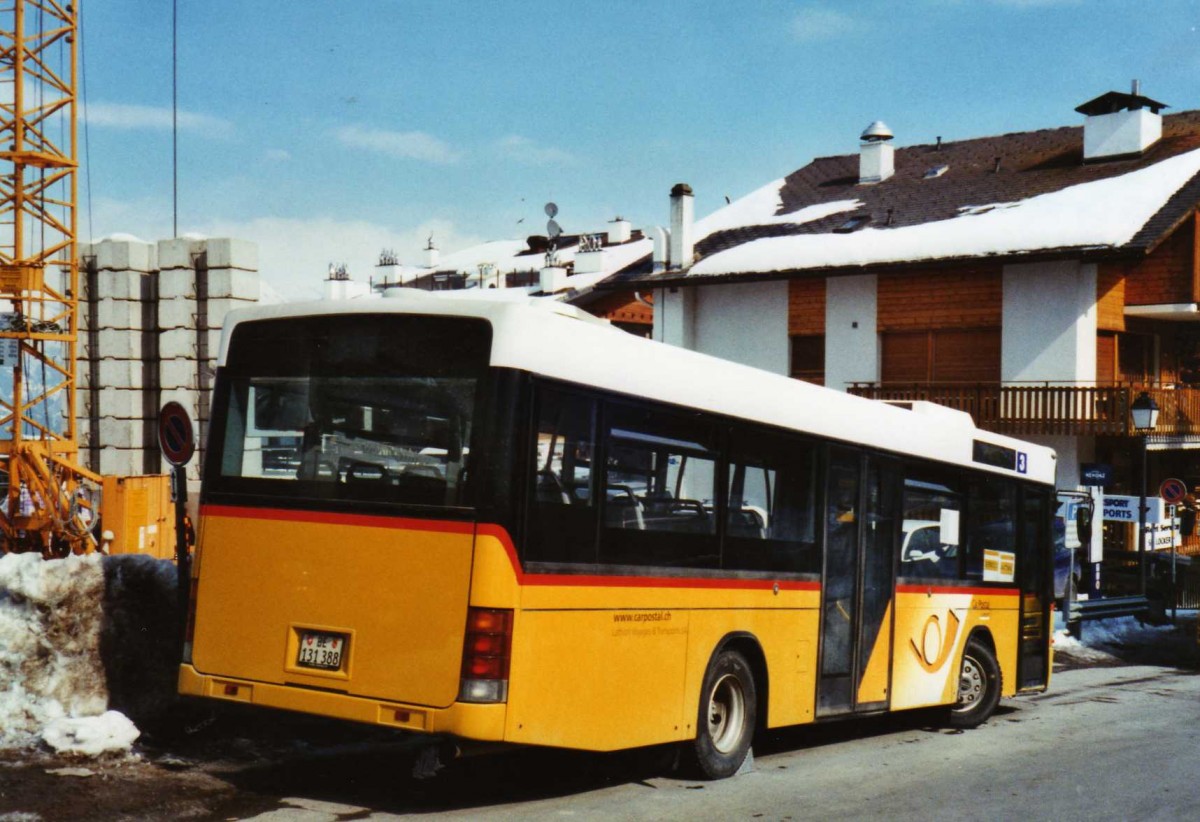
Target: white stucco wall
[(744, 322), (851, 339), (674, 316), (1049, 324)]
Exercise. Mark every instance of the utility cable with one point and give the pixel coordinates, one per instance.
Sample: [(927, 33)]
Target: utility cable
[(175, 117), (87, 145)]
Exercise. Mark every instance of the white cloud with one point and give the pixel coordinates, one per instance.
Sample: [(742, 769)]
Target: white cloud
[(409, 145), (146, 218), (527, 151), (814, 23), (152, 118), (293, 253), (277, 155)]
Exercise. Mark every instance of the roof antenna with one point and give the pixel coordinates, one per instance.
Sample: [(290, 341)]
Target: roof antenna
[(939, 143), (553, 232)]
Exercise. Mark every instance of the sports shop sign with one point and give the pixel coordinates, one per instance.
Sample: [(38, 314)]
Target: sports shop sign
[(1125, 509)]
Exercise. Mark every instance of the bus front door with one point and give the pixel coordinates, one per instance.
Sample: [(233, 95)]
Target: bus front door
[(857, 584)]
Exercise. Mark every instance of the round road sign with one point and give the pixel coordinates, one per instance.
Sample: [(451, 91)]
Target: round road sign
[(1172, 491), (175, 436)]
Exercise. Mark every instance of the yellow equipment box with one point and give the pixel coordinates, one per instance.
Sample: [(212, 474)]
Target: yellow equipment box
[(139, 514)]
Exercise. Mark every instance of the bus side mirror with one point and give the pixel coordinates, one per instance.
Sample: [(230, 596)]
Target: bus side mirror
[(1083, 524)]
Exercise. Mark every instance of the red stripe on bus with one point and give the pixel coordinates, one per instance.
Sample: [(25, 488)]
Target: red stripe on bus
[(950, 589), (500, 534)]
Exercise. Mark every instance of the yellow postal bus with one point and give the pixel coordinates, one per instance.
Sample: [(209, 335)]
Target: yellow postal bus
[(488, 520)]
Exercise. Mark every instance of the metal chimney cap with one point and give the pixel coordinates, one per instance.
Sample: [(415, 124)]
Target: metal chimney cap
[(877, 132), (681, 190)]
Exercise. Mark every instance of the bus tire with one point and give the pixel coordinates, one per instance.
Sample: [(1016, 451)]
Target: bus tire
[(978, 687), (727, 717)]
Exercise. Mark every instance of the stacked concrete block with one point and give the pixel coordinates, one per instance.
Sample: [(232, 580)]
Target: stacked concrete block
[(109, 355), (149, 333), (199, 283)]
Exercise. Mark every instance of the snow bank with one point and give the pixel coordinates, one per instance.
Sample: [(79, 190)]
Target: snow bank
[(140, 640), (1126, 640), (51, 614), (91, 735), (79, 636)]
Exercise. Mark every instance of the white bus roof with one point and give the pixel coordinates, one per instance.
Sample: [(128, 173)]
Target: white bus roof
[(562, 342)]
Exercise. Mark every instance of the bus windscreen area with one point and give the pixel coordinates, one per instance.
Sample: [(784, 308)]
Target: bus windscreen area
[(374, 408)]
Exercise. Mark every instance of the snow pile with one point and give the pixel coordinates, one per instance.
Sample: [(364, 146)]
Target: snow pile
[(91, 736), (1126, 640), (140, 642), (79, 636), (51, 614)]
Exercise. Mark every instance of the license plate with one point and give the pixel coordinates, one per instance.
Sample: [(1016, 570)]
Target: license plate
[(321, 650)]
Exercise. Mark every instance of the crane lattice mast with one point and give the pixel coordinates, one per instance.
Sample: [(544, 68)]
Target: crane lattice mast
[(46, 498)]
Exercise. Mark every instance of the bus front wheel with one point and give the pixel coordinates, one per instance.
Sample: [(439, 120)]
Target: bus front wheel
[(728, 713), (978, 687)]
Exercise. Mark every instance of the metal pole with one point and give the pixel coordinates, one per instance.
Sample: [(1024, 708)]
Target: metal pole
[(1142, 520), (183, 565), (1174, 592)]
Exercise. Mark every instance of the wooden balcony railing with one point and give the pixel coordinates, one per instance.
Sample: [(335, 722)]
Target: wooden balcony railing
[(1024, 409)]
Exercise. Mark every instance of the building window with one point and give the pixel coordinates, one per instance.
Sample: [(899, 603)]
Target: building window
[(943, 355), (1135, 358), (808, 358)]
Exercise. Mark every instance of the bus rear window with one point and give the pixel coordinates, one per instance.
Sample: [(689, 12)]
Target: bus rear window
[(373, 408)]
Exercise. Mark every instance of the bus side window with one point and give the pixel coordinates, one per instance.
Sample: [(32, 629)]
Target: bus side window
[(659, 481), (562, 510), (771, 505), (991, 525), (931, 525)]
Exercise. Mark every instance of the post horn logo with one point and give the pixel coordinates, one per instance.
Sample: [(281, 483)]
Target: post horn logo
[(935, 647)]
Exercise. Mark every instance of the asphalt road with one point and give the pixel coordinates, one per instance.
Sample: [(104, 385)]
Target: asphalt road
[(1115, 742)]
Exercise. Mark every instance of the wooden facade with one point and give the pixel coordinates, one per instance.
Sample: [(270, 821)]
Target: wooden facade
[(623, 309), (1168, 275)]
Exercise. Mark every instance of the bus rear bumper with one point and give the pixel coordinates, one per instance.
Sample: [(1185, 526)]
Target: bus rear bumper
[(467, 721)]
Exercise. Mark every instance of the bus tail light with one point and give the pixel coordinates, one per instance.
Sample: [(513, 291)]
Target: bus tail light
[(487, 648), (189, 631)]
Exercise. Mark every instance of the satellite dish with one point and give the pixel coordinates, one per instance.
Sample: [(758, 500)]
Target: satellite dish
[(551, 209), (553, 229)]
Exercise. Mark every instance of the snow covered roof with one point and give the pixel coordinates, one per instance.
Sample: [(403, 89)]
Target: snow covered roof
[(519, 257), (1026, 195)]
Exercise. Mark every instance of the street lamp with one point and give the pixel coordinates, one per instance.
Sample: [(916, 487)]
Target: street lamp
[(1144, 411)]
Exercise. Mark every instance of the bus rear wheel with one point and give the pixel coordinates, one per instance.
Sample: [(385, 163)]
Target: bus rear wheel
[(978, 687), (727, 718)]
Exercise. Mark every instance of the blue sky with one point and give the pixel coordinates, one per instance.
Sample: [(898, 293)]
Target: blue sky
[(326, 131)]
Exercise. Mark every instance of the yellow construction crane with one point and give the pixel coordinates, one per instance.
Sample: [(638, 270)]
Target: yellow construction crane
[(47, 500)]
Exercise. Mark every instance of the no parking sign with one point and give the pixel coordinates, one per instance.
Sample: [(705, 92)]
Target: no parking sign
[(1173, 491), (175, 436)]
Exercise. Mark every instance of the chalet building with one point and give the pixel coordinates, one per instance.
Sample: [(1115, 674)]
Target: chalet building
[(1040, 281)]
